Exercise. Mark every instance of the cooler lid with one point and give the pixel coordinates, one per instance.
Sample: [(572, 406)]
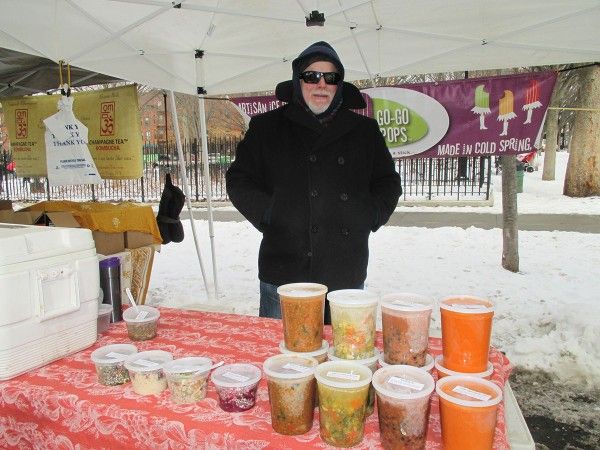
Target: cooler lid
[(22, 243)]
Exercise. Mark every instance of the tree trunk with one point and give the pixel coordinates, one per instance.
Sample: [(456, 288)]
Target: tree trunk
[(551, 143), (583, 170), (510, 231)]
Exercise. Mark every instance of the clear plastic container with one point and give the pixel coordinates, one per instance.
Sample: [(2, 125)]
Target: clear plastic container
[(141, 324), (403, 394), (236, 386), (445, 372), (343, 392), (427, 367), (292, 385), (353, 313), (405, 324), (110, 362), (104, 311), (146, 371), (320, 355), (187, 378)]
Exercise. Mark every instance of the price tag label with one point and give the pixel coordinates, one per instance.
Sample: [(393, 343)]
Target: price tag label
[(297, 368), (343, 375), (471, 393), (235, 376), (141, 315), (412, 305), (399, 381), (146, 363), (469, 307), (115, 355)]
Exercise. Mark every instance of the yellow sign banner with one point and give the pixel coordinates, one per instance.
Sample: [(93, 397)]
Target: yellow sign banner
[(111, 116)]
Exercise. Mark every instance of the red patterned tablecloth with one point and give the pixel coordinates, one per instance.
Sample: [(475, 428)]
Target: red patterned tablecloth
[(62, 405)]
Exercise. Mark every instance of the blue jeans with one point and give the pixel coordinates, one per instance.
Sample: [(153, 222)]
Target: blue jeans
[(270, 306)]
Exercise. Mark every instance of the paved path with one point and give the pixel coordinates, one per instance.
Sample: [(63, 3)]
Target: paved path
[(527, 222)]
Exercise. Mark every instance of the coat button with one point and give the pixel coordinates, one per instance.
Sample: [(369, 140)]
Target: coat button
[(312, 158), (309, 254), (314, 193), (341, 160), (343, 197), (314, 229), (345, 231)]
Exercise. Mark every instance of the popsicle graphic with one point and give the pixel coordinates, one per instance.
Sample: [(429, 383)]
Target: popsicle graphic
[(505, 111), (482, 105), (532, 100)]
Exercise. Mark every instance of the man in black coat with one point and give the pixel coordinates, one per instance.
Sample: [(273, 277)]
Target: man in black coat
[(315, 178)]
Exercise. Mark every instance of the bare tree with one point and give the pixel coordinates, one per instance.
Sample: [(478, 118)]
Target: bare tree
[(510, 230)]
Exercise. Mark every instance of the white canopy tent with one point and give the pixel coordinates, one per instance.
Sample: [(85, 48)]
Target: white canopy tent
[(218, 47)]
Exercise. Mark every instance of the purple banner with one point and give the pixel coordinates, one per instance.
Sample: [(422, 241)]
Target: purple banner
[(472, 117)]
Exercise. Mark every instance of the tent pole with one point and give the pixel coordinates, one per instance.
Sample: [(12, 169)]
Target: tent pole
[(208, 186), (186, 187)]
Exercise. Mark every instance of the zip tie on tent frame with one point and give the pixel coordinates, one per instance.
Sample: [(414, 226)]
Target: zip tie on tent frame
[(67, 67)]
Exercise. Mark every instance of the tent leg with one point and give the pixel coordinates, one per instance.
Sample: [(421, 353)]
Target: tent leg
[(186, 187)]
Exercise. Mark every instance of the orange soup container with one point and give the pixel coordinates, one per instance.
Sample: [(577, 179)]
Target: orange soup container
[(302, 311), (468, 410), (466, 332)]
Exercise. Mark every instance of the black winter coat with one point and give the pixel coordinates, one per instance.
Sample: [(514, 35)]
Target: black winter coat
[(315, 193)]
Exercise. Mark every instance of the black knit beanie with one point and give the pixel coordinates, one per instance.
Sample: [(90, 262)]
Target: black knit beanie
[(319, 51)]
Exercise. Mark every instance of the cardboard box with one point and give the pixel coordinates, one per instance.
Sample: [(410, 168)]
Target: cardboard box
[(6, 205), (137, 239), (22, 217)]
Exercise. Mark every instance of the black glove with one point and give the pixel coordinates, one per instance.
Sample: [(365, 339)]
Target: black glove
[(171, 204)]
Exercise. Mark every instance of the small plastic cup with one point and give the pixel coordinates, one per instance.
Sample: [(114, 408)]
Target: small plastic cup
[(146, 371), (468, 411), (427, 367), (371, 363), (405, 324), (104, 311), (141, 325), (236, 386), (403, 394), (320, 355), (292, 385), (343, 392), (110, 363), (466, 332), (353, 313), (187, 378), (302, 311), (445, 372)]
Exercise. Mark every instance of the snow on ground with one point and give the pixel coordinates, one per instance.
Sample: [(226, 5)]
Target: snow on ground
[(547, 314)]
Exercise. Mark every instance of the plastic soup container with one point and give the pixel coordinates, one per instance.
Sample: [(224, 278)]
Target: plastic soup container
[(110, 363), (291, 382), (444, 372), (141, 324), (371, 363), (403, 394), (187, 378), (146, 371), (468, 410), (405, 322), (353, 313), (236, 386), (466, 332), (343, 392), (320, 355), (302, 311), (427, 367)]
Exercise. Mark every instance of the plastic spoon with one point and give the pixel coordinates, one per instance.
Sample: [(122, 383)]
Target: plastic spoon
[(214, 366), (132, 301)]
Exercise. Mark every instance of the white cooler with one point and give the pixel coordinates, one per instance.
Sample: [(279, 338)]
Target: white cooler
[(49, 285)]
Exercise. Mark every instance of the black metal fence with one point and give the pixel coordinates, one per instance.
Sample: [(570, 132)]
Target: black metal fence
[(423, 179)]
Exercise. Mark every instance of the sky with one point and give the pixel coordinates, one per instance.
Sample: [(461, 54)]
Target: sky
[(547, 315)]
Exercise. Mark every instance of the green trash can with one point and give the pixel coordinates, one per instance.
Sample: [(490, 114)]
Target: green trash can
[(520, 175)]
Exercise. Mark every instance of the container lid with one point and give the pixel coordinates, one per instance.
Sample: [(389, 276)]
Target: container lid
[(104, 309), (113, 353), (403, 382), (290, 366), (404, 301), (370, 362), (466, 304), (468, 391), (301, 290), (190, 364), (353, 298), (429, 362), (145, 314), (148, 361), (314, 353), (343, 374), (236, 375), (110, 262), (439, 365)]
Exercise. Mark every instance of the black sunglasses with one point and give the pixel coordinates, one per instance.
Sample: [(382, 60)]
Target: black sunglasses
[(313, 77)]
